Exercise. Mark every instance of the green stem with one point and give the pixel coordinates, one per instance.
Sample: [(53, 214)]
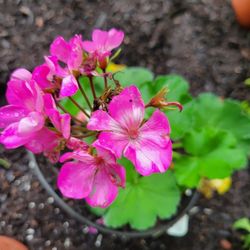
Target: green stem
[(85, 135), (84, 95), (6, 164), (105, 79), (92, 86), (78, 106)]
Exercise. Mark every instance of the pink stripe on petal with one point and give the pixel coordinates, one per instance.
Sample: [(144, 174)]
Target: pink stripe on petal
[(75, 179)]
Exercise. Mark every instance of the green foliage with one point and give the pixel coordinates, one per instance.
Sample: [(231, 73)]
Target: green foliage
[(244, 224)]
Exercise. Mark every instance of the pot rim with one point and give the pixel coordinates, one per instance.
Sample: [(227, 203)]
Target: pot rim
[(153, 232)]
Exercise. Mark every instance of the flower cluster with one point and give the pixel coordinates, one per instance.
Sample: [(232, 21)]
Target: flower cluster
[(37, 119)]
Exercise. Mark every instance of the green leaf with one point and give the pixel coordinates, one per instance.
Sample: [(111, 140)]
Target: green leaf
[(212, 154), (141, 202), (181, 122), (134, 75), (210, 110), (243, 223), (186, 171)]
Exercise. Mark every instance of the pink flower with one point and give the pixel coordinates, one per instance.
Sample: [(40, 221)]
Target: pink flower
[(103, 43), (95, 178), (61, 122), (23, 118), (51, 76), (147, 144)]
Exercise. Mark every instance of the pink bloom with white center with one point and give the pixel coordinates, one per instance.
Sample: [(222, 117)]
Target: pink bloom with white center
[(147, 144), (23, 119), (71, 54), (103, 42), (95, 178)]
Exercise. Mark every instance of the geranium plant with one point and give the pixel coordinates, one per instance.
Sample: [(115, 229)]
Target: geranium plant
[(115, 131)]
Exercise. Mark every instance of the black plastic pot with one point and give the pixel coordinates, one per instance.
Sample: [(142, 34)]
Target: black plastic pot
[(121, 233)]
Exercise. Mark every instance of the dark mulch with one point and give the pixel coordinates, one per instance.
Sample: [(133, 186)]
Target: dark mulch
[(198, 39)]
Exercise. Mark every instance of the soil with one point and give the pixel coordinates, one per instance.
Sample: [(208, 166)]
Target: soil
[(199, 39)]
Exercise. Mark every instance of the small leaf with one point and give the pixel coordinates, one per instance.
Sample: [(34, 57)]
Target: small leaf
[(243, 223), (247, 82), (5, 163)]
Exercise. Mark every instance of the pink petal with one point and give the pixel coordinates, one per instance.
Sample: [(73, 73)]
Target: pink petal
[(10, 114), (10, 138), (60, 48), (43, 140), (76, 53), (78, 155), (116, 142), (75, 179), (101, 120), (114, 40), (65, 125), (104, 152), (99, 37), (21, 74), (103, 192), (156, 129), (25, 94), (117, 175), (55, 68), (30, 124), (49, 102), (128, 108), (77, 144), (41, 75), (149, 158), (19, 94), (69, 86), (89, 46)]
